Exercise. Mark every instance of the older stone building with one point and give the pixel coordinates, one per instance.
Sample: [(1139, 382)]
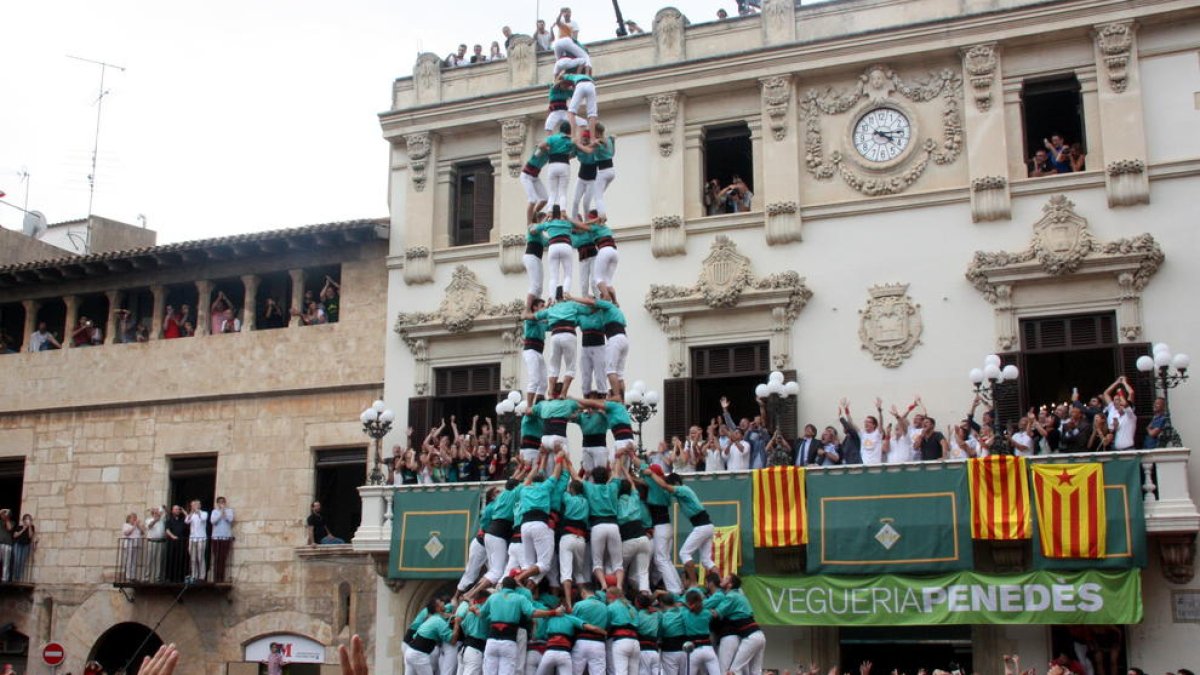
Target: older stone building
[(895, 236), (265, 417)]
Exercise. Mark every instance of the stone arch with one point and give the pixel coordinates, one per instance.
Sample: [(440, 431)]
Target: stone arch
[(259, 625), (105, 608)]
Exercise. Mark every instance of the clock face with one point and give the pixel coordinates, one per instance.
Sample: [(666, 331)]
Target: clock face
[(882, 134)]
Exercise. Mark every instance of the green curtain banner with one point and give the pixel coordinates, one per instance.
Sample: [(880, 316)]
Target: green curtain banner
[(727, 499), (1041, 597), (862, 522), (1125, 543), (432, 530)]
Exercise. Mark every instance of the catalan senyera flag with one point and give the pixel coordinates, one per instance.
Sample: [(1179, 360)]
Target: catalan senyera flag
[(1070, 504), (780, 507), (999, 498), (727, 548)]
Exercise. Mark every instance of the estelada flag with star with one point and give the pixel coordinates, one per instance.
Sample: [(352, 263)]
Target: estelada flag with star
[(727, 549), (1070, 505)]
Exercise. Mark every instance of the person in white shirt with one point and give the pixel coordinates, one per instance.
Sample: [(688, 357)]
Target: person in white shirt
[(132, 534), (542, 37), (738, 458), (870, 437), (685, 453), (715, 451), (1122, 420), (964, 443), (568, 53), (156, 535), (829, 453), (899, 443), (197, 520), (41, 339), (222, 538), (1022, 442)]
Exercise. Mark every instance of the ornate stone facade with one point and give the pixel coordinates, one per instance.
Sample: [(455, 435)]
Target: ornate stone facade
[(669, 35), (522, 61), (777, 100), (664, 108), (1115, 44), (418, 265), (513, 132), (418, 145), (890, 327), (667, 236), (980, 62), (427, 77)]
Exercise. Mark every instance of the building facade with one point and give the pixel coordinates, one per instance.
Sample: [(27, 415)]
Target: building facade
[(857, 271), (266, 418)]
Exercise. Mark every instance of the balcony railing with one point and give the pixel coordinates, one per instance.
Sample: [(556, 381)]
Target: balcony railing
[(16, 567), (172, 563)]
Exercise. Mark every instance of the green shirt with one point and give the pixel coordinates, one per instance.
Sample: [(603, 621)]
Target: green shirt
[(592, 423), (591, 321), (535, 330), (559, 408), (470, 622), (575, 507), (560, 144), (602, 499), (649, 624), (531, 425), (621, 614), (735, 607), (536, 234), (504, 504), (565, 624), (506, 606), (688, 501), (617, 415), (581, 239), (561, 312), (630, 508), (560, 94), (556, 228), (600, 230), (610, 312), (592, 610), (655, 494), (485, 517), (605, 150), (536, 496), (421, 616), (538, 159), (671, 623), (577, 78), (435, 628), (697, 623)]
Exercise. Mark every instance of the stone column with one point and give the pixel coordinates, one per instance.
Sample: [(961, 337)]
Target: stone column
[(778, 195), (1092, 127), (668, 173), (31, 310), (756, 152), (1014, 130), (72, 303), (203, 301), (157, 314), (297, 295), (1122, 121), (250, 301), (517, 140), (114, 304), (420, 206), (984, 127), (693, 173)]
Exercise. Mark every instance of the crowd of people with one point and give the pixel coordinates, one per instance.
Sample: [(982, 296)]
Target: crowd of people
[(735, 197), (18, 540), (1057, 157), (176, 546)]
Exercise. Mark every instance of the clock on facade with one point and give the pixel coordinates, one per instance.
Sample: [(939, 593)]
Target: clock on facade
[(882, 135)]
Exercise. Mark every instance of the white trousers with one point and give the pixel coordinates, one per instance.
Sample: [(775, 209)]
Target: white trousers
[(585, 95), (535, 189), (417, 662), (558, 175), (583, 195), (476, 559), (594, 457), (471, 662), (552, 443), (568, 55), (533, 272), (699, 540), (555, 662), (606, 546), (560, 258), (617, 351), (651, 662), (703, 660), (727, 648), (588, 654), (749, 657), (500, 657), (664, 545), (196, 553), (447, 659), (561, 360), (636, 555), (522, 650), (516, 557), (538, 540), (626, 657), (497, 557), (533, 660), (605, 267), (571, 565), (604, 177), (535, 372), (587, 286), (674, 663), (593, 364), (556, 117)]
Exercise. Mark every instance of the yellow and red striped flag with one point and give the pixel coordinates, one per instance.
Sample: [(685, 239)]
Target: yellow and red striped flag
[(999, 498), (727, 549), (780, 511), (1070, 503)]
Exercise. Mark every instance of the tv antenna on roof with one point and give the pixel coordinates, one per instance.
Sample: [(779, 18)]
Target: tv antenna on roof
[(96, 142)]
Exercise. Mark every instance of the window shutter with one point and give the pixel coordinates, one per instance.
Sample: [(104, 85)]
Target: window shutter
[(789, 421), (1008, 402), (418, 418), (484, 189), (676, 402), (1143, 387)]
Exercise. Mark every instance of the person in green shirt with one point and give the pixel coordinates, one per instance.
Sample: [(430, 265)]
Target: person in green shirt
[(533, 343), (672, 635), (535, 190), (535, 247), (697, 626), (735, 610), (633, 520), (624, 647), (602, 494), (433, 631), (562, 317), (592, 354), (649, 627), (593, 425), (559, 147), (472, 633), (589, 645), (554, 414), (700, 539), (658, 502), (585, 247), (560, 638), (602, 149), (504, 613), (536, 534), (573, 531)]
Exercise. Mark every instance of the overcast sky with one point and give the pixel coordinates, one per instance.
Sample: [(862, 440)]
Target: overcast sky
[(231, 116)]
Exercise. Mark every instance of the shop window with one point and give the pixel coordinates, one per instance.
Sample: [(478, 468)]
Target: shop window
[(471, 203)]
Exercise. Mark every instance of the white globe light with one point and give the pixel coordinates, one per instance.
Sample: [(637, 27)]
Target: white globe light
[(1181, 361), (991, 360), (1145, 363), (369, 415), (976, 375), (992, 372), (514, 396), (791, 388), (1162, 359), (379, 406), (638, 386), (522, 408), (775, 388), (633, 396), (652, 397), (776, 376), (1161, 347), (760, 391), (500, 408), (387, 417), (1010, 372)]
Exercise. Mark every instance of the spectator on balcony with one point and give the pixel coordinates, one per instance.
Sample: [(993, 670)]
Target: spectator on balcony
[(216, 313), (682, 459), (964, 441), (898, 447), (1159, 425), (24, 541), (477, 55), (81, 335), (542, 38), (1040, 165), (778, 451), (1102, 436), (132, 535), (748, 7), (932, 444), (273, 315), (1077, 158), (312, 315), (829, 452), (736, 197), (197, 520), (633, 29), (1076, 431), (869, 439), (126, 327), (851, 450), (41, 339), (1044, 428), (318, 531), (331, 300), (1022, 442), (716, 453), (142, 333), (501, 465), (457, 59), (806, 447), (177, 534), (737, 457), (230, 323), (722, 15), (1058, 153), (508, 38), (494, 54), (156, 543), (6, 545), (222, 538), (712, 198), (1119, 414), (187, 325)]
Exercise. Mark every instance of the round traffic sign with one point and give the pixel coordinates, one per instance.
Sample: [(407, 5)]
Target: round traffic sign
[(53, 654)]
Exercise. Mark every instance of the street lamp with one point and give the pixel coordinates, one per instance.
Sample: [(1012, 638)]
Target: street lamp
[(507, 413), (377, 422), (775, 392), (642, 406), (990, 382), (1157, 369)]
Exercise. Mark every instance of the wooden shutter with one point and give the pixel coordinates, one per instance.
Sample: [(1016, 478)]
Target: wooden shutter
[(418, 418), (789, 417), (1008, 402), (676, 402), (750, 358), (1143, 387), (484, 192)]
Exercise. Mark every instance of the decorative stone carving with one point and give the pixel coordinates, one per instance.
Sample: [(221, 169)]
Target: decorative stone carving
[(890, 327), (979, 62), (783, 223), (1114, 41), (464, 305), (779, 21), (723, 274), (879, 84), (513, 133), (776, 98), (1178, 555), (669, 39), (427, 78), (664, 108), (990, 199), (522, 61), (1126, 182), (418, 265), (667, 236), (512, 251), (419, 145)]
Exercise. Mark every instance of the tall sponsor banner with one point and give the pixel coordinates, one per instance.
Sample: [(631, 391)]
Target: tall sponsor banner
[(1041, 597), (1125, 523), (432, 530), (880, 523), (726, 497)]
